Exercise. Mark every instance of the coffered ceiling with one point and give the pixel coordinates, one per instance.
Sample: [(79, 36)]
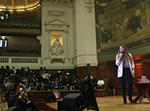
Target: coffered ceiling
[(18, 4)]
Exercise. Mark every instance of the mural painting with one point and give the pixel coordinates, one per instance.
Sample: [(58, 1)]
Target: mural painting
[(122, 22)]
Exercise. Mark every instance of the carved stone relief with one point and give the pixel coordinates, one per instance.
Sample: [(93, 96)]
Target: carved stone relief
[(55, 13), (89, 5)]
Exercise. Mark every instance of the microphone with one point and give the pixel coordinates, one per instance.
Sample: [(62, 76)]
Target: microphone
[(121, 54)]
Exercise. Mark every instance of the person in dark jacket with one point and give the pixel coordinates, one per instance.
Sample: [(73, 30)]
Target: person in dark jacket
[(26, 103), (12, 89)]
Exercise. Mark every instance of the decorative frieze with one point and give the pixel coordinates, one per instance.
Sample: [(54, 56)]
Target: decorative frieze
[(51, 13), (57, 2), (89, 5)]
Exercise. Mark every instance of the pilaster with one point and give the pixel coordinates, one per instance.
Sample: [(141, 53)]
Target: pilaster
[(85, 33)]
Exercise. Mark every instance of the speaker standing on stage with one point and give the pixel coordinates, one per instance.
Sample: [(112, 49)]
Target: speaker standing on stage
[(126, 71)]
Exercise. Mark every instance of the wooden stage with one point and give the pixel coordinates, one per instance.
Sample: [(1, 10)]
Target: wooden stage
[(114, 103)]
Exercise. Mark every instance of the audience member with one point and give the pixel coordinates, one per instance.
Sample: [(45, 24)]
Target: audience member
[(67, 87), (100, 84), (48, 75), (44, 70), (12, 89), (28, 88), (18, 79), (2, 71), (20, 88), (26, 103), (28, 71), (65, 81), (60, 79), (56, 88), (24, 72), (41, 79), (41, 87), (41, 69), (56, 85), (14, 70), (34, 78), (31, 82), (24, 84), (47, 83), (8, 71), (36, 82), (3, 88), (7, 83), (11, 100)]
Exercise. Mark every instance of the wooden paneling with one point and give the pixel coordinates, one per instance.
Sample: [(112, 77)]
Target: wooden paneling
[(40, 96), (142, 66)]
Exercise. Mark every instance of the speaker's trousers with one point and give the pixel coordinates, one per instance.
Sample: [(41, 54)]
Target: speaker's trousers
[(127, 77)]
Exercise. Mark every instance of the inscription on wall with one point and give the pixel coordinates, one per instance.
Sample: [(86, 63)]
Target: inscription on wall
[(51, 13)]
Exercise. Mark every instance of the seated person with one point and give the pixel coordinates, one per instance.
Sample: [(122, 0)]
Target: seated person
[(12, 89), (24, 84), (31, 82), (3, 88), (67, 87), (56, 85), (36, 82), (100, 84), (26, 103), (28, 88), (75, 83), (47, 83), (20, 88), (41, 87), (56, 88), (12, 100), (7, 83)]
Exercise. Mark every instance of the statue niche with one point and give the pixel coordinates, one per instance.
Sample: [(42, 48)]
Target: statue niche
[(56, 49)]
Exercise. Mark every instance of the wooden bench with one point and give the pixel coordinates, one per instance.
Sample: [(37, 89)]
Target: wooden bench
[(105, 91), (40, 96)]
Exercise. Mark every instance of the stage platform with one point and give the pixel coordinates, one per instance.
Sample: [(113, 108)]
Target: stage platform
[(110, 103)]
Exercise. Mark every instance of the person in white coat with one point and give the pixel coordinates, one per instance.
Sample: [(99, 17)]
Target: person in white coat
[(126, 71)]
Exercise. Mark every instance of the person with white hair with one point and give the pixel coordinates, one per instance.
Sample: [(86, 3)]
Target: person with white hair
[(20, 88), (100, 84)]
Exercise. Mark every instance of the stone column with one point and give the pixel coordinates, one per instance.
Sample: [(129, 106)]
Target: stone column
[(85, 33)]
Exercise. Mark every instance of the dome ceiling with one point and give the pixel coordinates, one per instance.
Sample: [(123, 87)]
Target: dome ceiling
[(18, 4)]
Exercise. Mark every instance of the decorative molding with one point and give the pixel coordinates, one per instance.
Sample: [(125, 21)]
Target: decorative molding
[(56, 24), (57, 2), (51, 13), (56, 58), (39, 38), (19, 31), (89, 4)]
